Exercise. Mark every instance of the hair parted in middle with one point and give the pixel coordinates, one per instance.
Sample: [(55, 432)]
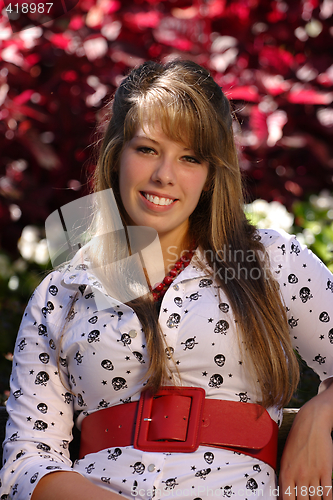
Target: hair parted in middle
[(183, 99)]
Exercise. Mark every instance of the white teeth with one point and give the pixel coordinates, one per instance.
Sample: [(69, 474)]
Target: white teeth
[(158, 201)]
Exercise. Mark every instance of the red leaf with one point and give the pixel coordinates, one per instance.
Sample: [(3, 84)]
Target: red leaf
[(274, 84), (60, 40), (76, 23), (69, 76), (294, 188), (24, 97), (112, 6), (32, 59), (246, 93), (301, 95), (276, 58), (143, 20), (44, 154), (215, 9), (258, 124)]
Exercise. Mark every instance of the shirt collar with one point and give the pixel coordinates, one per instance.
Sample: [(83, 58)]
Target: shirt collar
[(77, 272)]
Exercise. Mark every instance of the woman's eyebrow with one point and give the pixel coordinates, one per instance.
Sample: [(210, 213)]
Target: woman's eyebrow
[(143, 136)]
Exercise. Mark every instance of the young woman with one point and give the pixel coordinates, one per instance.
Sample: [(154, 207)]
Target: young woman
[(213, 342)]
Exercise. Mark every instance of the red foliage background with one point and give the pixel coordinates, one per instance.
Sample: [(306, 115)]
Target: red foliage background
[(272, 58)]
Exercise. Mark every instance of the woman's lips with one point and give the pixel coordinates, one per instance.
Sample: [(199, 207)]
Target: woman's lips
[(160, 203)]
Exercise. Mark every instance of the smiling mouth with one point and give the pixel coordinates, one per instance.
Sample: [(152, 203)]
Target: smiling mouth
[(157, 200)]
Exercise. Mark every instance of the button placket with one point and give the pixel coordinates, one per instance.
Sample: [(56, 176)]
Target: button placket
[(168, 308), (130, 333)]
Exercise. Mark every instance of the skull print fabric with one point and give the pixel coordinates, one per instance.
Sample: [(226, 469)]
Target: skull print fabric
[(99, 359)]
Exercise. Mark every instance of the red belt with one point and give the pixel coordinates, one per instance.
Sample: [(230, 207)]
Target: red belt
[(179, 420)]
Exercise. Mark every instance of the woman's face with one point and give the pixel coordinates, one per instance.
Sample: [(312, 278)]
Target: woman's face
[(160, 182)]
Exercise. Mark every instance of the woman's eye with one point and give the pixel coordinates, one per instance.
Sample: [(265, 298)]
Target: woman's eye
[(191, 159), (146, 150)]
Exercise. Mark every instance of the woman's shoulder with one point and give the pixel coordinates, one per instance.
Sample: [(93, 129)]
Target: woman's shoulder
[(284, 248), (61, 284), (288, 253), (275, 237), (61, 279)]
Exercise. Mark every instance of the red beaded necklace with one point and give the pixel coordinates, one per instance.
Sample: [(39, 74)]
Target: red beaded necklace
[(162, 287)]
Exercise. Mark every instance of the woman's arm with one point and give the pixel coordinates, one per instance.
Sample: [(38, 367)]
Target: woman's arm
[(70, 486), (39, 427), (307, 459)]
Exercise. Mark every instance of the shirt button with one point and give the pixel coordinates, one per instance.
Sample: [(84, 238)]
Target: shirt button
[(151, 467), (132, 334), (176, 287)]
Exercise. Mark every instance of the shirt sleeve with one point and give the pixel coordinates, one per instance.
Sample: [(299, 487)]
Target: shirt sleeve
[(307, 289), (40, 406)]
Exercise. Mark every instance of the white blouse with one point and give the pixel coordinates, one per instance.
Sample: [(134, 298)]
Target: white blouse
[(104, 366)]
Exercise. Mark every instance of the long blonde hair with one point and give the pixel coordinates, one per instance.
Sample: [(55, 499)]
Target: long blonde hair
[(192, 109)]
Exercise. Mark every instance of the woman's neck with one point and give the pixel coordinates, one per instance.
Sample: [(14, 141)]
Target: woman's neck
[(172, 251)]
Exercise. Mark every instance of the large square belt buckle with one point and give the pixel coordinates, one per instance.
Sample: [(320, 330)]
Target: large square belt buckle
[(192, 441)]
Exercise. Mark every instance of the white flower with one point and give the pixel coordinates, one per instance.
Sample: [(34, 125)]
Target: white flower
[(95, 48), (32, 247), (266, 215), (13, 283), (324, 201), (30, 234), (41, 252)]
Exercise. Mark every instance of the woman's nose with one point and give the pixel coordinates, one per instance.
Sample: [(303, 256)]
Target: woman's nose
[(164, 172)]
